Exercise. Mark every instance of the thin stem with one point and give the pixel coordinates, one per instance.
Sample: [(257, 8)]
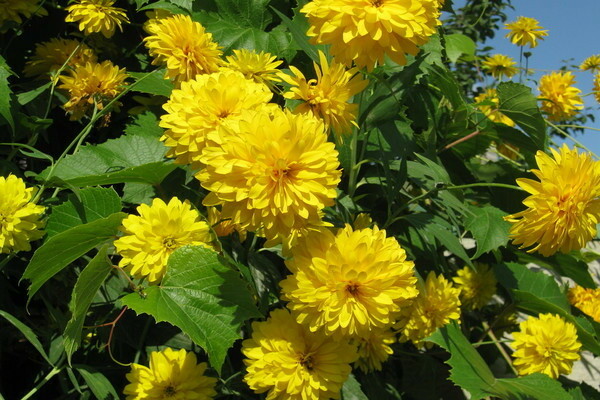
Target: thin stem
[(462, 139), (577, 142), (353, 170), (37, 387), (579, 126), (500, 348), (483, 184), (521, 64), (138, 352), (6, 259)]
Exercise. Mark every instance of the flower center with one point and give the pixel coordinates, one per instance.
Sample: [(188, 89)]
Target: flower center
[(353, 288), (306, 361), (377, 3), (169, 242), (280, 169), (170, 391)]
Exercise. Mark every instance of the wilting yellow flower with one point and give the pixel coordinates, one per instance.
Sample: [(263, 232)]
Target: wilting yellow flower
[(97, 16), (16, 10), (597, 87), (500, 65), (563, 208), (171, 375), (223, 227), (184, 47), (560, 100), (273, 171), (19, 217), (202, 105), (292, 363), (364, 31), (327, 97), (592, 63), (547, 344), (525, 31), (436, 305), (350, 283), (159, 230), (50, 56), (91, 84), (260, 67), (508, 150), (586, 300), (492, 112), (374, 349), (154, 16), (477, 286)]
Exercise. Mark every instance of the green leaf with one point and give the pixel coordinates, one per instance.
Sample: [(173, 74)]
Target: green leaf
[(138, 193), (65, 247), (298, 27), (28, 333), (152, 83), (185, 4), (98, 383), (27, 97), (88, 283), (352, 391), (87, 205), (6, 96), (205, 299), (145, 124), (489, 230), (563, 264), (459, 46), (519, 104)]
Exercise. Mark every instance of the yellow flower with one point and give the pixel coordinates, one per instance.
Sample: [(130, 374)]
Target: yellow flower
[(436, 305), (500, 65), (350, 283), (477, 286), (97, 16), (525, 31), (596, 89), (327, 96), (292, 363), (91, 84), (19, 217), (547, 344), (560, 100), (202, 105), (172, 374), (184, 47), (51, 55), (592, 63), (508, 150), (224, 227), (492, 112), (159, 230), (273, 171), (16, 10), (374, 349), (586, 300), (362, 221), (260, 67), (154, 16), (364, 31), (563, 207)]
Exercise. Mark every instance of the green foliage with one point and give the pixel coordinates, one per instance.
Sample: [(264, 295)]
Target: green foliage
[(27, 333), (488, 229), (152, 83), (520, 105)]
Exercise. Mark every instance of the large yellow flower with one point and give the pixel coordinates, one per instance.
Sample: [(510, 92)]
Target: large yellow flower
[(327, 97), (171, 375), (292, 363), (184, 47), (19, 218), (52, 55), (492, 112), (525, 31), (547, 344), (91, 84), (586, 300), (260, 67), (500, 65), (350, 283), (202, 105), (560, 100), (273, 171), (374, 349), (159, 230), (477, 286), (592, 63), (364, 31), (97, 16), (436, 305), (563, 207), (16, 10)]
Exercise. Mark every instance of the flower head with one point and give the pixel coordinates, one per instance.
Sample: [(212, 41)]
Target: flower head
[(260, 67), (184, 47), (597, 87), (547, 344), (525, 31), (592, 63), (154, 16), (586, 300), (560, 100), (97, 16), (563, 208), (374, 349), (364, 31), (91, 84), (292, 363), (491, 111), (52, 55), (19, 218), (327, 97), (202, 105), (436, 305), (171, 374), (272, 171), (16, 10), (477, 286), (348, 283), (159, 230), (223, 227), (500, 65)]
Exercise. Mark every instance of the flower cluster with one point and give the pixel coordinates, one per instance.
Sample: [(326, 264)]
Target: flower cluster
[(97, 16), (560, 99), (50, 56)]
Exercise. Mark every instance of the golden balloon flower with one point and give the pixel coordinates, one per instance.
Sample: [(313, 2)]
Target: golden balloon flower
[(97, 16), (477, 286), (492, 111), (500, 66), (525, 31), (259, 67), (374, 349), (586, 300), (17, 10), (560, 100), (50, 56), (592, 63)]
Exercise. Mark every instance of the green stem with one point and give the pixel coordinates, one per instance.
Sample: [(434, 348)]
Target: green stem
[(521, 64), (579, 126), (353, 170), (37, 387), (577, 142), (483, 184), (138, 352), (500, 348)]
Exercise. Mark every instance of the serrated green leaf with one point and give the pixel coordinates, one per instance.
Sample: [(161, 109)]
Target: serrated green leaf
[(152, 83), (6, 97), (489, 230), (138, 193), (66, 247), (519, 104), (564, 264), (97, 382), (352, 391), (205, 299), (145, 124), (459, 46), (185, 4), (28, 333)]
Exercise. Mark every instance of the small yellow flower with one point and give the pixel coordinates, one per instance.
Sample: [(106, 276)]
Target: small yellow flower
[(477, 286), (51, 55), (586, 300), (154, 16), (374, 349), (292, 363), (97, 16), (20, 219), (17, 10), (159, 230), (492, 112), (547, 344), (592, 63), (260, 67), (327, 97), (560, 100), (171, 375), (499, 66), (525, 31), (224, 227), (563, 208), (596, 89)]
